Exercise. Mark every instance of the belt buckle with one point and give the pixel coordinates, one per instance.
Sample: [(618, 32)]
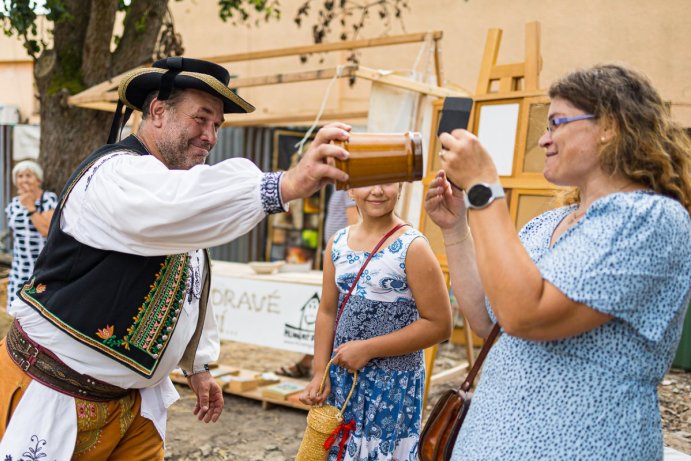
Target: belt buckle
[(31, 354), (26, 363)]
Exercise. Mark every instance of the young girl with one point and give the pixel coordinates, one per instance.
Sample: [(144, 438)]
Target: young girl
[(399, 306)]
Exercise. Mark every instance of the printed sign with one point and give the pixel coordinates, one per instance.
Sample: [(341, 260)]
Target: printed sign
[(267, 312)]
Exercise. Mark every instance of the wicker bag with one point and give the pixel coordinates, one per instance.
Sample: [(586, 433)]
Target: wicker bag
[(324, 425)]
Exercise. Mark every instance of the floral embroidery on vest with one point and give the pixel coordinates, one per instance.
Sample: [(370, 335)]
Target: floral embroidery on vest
[(32, 290), (105, 333), (157, 316)]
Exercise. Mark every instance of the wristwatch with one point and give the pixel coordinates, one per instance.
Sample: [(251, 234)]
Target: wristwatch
[(482, 194)]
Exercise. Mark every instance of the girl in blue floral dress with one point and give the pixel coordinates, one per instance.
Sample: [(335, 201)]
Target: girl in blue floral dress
[(399, 306)]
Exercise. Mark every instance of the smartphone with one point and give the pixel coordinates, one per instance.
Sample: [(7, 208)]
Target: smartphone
[(455, 113)]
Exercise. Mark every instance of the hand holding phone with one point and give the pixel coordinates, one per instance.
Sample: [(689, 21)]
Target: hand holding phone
[(455, 113)]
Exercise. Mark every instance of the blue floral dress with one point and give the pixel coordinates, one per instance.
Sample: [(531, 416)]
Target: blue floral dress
[(387, 402), (591, 396)]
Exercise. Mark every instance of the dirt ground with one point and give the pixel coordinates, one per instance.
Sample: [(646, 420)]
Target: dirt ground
[(246, 432)]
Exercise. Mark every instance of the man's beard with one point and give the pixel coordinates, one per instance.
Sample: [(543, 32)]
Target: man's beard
[(174, 146)]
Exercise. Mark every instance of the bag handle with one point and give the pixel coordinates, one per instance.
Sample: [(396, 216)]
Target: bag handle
[(362, 269), (468, 383), (352, 388)]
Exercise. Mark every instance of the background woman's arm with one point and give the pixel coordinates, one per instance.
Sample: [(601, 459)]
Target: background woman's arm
[(465, 280), (41, 221), (444, 205)]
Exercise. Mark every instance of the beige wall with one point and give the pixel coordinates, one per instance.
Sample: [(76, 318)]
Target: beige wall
[(16, 77), (651, 35)]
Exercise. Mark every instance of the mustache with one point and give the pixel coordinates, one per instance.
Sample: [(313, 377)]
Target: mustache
[(203, 145)]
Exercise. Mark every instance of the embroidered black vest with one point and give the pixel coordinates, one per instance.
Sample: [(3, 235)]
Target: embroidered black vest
[(123, 305)]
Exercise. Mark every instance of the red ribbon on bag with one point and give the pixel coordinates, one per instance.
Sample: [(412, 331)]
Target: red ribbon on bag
[(344, 431)]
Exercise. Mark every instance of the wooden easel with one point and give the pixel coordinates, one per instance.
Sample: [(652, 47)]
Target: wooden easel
[(521, 76), (495, 81)]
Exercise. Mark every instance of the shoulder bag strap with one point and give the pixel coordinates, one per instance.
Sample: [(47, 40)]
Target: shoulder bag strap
[(357, 277), (468, 383)]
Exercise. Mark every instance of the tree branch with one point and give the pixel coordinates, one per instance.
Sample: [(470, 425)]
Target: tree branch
[(142, 26)]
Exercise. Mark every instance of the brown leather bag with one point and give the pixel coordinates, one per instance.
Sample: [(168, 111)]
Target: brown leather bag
[(441, 429)]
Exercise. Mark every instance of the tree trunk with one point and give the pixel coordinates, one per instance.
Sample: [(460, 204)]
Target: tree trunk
[(68, 135), (82, 57)]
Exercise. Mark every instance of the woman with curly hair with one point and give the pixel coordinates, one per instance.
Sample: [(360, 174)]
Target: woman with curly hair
[(590, 296)]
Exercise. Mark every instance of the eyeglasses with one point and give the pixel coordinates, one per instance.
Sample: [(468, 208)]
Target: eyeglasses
[(554, 123)]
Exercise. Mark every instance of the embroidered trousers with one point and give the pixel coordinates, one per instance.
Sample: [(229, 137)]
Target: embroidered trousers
[(112, 430)]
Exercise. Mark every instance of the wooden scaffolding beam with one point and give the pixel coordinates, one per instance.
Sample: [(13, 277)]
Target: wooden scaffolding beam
[(104, 95), (326, 47)]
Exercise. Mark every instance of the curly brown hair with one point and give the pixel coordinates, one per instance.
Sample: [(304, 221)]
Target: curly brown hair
[(648, 147)]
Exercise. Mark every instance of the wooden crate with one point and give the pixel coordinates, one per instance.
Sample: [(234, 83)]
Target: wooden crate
[(256, 393)]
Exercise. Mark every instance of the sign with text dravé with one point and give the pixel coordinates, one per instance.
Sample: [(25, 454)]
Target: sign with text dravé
[(266, 313)]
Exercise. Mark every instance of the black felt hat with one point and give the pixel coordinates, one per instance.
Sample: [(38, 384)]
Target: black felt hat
[(170, 73), (182, 73)]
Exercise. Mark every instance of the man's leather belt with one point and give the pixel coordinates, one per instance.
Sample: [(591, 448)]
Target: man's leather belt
[(43, 366)]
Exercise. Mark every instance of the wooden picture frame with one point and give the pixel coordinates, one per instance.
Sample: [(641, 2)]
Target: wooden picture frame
[(530, 156), (528, 203)]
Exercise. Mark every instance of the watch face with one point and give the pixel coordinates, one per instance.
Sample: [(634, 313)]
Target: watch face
[(479, 195)]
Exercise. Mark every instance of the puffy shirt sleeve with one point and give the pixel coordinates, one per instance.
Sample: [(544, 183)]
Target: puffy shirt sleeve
[(629, 257), (135, 204)]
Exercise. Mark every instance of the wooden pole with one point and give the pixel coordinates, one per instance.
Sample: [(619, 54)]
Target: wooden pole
[(406, 83), (489, 59), (533, 60), (325, 47), (291, 118)]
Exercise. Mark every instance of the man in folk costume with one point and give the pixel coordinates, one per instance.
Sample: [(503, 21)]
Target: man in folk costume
[(118, 296)]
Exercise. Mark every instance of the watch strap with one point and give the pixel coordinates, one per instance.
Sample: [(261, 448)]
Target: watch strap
[(496, 191)]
